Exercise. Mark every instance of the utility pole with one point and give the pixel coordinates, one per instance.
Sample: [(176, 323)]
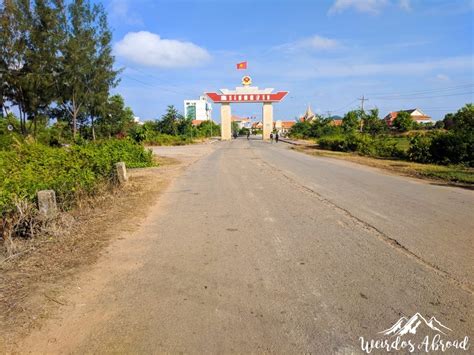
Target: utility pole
[(362, 99)]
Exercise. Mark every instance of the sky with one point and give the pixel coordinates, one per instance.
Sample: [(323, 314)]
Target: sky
[(400, 54)]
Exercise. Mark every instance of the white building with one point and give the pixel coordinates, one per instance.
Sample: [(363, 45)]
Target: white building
[(199, 110), (242, 122)]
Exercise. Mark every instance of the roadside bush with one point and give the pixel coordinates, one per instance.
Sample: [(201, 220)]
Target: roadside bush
[(336, 143), (388, 148), (167, 139), (7, 137), (419, 150), (363, 144), (452, 148), (70, 171)]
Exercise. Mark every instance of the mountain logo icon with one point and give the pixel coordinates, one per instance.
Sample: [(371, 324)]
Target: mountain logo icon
[(410, 326)]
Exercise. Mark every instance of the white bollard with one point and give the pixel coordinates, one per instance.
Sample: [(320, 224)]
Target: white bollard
[(47, 203), (121, 172)]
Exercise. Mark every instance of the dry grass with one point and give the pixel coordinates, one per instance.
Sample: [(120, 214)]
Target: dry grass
[(32, 280), (449, 175)]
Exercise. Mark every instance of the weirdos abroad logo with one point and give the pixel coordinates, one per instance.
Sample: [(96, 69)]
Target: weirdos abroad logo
[(400, 337)]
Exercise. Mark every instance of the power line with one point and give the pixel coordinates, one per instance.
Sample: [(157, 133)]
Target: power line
[(154, 85), (423, 91), (161, 79), (343, 107), (424, 97)]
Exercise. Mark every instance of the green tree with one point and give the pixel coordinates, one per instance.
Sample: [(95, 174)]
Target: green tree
[(115, 118), (169, 121), (463, 120), (87, 64), (209, 129), (300, 129), (403, 122), (373, 124), (15, 26), (103, 74), (448, 121), (77, 60), (350, 121), (30, 41)]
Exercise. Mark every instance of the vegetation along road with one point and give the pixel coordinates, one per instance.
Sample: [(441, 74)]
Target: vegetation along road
[(256, 247)]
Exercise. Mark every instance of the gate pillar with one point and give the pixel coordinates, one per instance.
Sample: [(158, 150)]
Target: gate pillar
[(267, 120), (226, 124)]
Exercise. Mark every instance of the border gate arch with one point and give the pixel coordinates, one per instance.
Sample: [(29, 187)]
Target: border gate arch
[(246, 94)]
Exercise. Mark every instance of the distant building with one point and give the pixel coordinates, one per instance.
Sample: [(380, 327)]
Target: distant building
[(336, 122), (283, 127), (242, 122), (257, 125), (416, 114), (197, 122), (308, 115), (198, 109)]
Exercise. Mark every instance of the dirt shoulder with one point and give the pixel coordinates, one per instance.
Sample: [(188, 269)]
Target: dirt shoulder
[(444, 175), (31, 284)]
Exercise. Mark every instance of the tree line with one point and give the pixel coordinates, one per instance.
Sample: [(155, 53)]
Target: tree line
[(448, 141), (56, 62)]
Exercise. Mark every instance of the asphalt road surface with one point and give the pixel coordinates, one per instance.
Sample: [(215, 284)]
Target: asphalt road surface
[(257, 248)]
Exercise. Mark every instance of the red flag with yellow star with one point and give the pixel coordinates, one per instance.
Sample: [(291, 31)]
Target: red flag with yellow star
[(242, 65)]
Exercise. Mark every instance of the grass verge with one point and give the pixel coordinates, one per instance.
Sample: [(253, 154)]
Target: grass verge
[(452, 174), (32, 283)]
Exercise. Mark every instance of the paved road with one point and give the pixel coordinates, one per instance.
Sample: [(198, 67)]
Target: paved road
[(260, 248)]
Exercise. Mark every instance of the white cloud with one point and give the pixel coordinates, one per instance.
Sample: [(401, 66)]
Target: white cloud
[(305, 68), (120, 11), (150, 49), (370, 6), (442, 77), (405, 4), (315, 42), (319, 43)]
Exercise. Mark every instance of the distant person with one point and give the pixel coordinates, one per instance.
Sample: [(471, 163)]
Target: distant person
[(271, 137), (248, 135), (276, 137)]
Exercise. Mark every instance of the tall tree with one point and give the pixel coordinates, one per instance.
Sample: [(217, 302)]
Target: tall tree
[(350, 121), (104, 76), (41, 58), (77, 66), (115, 118), (169, 121), (16, 22), (372, 123)]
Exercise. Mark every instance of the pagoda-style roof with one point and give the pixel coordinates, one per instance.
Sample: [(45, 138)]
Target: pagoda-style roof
[(309, 115)]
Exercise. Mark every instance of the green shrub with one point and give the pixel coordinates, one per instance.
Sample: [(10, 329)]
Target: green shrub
[(28, 168), (336, 143), (453, 148), (166, 139), (388, 148), (419, 149), (363, 144)]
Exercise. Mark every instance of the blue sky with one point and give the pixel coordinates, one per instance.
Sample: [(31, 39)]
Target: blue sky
[(400, 54)]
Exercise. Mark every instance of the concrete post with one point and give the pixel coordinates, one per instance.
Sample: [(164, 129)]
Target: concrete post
[(267, 120), (226, 122), (47, 203), (121, 172)]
